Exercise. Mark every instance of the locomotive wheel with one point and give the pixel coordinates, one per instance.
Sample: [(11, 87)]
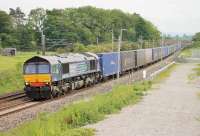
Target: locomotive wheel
[(54, 94), (55, 91)]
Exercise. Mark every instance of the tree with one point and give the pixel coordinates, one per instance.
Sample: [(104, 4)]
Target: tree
[(22, 34), (72, 25), (37, 18), (5, 22), (196, 37), (18, 16), (6, 30), (85, 24)]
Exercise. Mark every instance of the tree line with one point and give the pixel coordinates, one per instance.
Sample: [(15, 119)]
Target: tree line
[(62, 27)]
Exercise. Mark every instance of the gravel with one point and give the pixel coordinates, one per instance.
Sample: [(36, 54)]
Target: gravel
[(14, 120), (172, 109)]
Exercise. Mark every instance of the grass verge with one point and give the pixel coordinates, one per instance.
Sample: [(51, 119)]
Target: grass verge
[(187, 52), (11, 80), (164, 74), (69, 120), (11, 77), (11, 72)]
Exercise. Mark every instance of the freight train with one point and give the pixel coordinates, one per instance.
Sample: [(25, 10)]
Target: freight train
[(50, 76)]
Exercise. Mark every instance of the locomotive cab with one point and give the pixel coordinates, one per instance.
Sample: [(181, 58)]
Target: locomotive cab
[(37, 77)]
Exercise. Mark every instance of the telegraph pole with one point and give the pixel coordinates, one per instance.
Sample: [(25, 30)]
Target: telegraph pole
[(43, 42), (140, 42), (162, 45), (97, 40), (0, 41), (119, 48), (118, 57), (112, 40), (153, 43)]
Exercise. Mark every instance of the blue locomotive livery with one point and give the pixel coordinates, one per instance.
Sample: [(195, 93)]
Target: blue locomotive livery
[(49, 76)]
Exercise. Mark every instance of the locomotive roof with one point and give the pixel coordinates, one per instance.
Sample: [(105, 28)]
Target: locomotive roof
[(66, 58), (76, 57), (50, 59)]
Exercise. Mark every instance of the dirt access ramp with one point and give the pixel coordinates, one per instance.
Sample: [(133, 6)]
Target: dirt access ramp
[(172, 109)]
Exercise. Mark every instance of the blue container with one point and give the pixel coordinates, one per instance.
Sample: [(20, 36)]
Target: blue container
[(108, 63)]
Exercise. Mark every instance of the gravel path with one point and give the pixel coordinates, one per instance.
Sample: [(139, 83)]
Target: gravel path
[(173, 109)]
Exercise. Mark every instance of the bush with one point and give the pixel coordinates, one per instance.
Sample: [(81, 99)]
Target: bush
[(60, 50)]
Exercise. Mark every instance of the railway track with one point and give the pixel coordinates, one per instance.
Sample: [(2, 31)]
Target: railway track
[(16, 108), (12, 96), (12, 102), (18, 101)]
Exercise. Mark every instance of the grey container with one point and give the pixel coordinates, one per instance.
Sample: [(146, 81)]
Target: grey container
[(148, 56), (128, 60), (140, 57), (157, 53)]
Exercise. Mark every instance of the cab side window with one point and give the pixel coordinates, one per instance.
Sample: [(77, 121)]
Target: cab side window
[(92, 65), (55, 69), (65, 68)]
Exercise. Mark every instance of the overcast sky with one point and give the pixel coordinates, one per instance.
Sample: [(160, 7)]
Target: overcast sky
[(170, 16)]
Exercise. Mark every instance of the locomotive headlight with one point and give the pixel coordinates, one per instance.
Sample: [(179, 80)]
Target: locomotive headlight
[(26, 83)]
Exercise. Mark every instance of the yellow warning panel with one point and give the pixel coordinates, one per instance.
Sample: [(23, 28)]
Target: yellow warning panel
[(37, 78)]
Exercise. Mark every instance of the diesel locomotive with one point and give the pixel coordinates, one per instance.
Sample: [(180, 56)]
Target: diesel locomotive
[(49, 76)]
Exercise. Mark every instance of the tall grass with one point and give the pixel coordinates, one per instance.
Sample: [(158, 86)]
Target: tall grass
[(69, 120)]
